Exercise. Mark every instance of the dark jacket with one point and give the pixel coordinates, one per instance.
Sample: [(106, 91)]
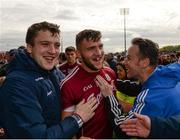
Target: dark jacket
[(29, 101), (128, 87), (165, 128)]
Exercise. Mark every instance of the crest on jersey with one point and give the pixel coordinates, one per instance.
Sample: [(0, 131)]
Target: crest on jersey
[(108, 78)]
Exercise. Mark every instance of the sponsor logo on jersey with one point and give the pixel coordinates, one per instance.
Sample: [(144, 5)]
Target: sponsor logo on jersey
[(87, 87)]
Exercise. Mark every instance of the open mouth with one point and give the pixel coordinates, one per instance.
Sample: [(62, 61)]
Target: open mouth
[(49, 58), (97, 59)]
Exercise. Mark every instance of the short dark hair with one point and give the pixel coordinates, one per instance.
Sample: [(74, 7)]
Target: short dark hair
[(35, 28), (87, 34), (147, 49), (70, 49)]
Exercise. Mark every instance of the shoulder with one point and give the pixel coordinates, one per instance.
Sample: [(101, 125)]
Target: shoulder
[(109, 71), (70, 78), (21, 76), (62, 65), (21, 80)]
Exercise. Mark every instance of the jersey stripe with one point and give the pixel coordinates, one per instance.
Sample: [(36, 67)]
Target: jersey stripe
[(69, 76)]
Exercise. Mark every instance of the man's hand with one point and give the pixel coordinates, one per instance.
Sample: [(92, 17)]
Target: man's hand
[(86, 110), (139, 126), (105, 87)]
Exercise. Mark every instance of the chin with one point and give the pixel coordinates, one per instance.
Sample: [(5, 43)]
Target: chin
[(98, 68), (48, 67)]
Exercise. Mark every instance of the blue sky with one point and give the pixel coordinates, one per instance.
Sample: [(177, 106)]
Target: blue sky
[(158, 20)]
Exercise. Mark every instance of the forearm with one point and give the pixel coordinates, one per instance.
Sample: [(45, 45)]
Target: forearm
[(129, 88), (115, 115)]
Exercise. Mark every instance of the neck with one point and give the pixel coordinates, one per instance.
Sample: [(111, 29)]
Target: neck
[(88, 69), (71, 63), (145, 74)]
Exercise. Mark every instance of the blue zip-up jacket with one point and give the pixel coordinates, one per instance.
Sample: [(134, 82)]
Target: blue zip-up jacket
[(29, 101), (161, 92)]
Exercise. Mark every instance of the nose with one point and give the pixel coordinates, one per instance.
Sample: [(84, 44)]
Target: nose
[(98, 51), (52, 49), (125, 60)]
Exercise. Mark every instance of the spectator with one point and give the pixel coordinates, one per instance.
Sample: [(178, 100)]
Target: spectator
[(111, 61), (71, 63), (121, 71)]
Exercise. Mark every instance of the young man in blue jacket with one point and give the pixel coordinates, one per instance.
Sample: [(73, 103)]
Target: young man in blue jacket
[(160, 93), (29, 97)]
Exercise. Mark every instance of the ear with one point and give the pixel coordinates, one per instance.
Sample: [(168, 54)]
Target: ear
[(29, 48), (145, 62)]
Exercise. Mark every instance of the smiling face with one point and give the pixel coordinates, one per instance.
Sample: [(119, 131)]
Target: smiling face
[(133, 62), (121, 73), (92, 55), (45, 49)]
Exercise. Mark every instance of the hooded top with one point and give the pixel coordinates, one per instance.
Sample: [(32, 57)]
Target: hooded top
[(163, 77), (29, 101), (161, 92)]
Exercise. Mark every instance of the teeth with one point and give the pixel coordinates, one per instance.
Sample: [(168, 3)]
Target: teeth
[(49, 58), (97, 59)]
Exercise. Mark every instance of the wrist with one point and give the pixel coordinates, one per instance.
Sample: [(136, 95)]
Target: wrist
[(78, 119)]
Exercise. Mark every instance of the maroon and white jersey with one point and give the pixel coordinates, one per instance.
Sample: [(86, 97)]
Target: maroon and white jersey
[(65, 68), (79, 85)]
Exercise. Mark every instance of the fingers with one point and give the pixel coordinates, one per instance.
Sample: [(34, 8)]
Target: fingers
[(131, 130), (128, 126), (112, 83), (97, 83), (130, 121), (132, 134), (94, 107), (141, 117), (81, 102), (92, 114), (105, 87), (101, 80), (92, 104), (92, 101)]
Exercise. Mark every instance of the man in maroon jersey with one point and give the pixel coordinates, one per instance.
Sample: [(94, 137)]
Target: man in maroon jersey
[(80, 84), (71, 62)]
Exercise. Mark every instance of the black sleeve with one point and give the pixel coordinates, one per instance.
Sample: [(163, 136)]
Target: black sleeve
[(165, 128), (127, 87), (112, 116)]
